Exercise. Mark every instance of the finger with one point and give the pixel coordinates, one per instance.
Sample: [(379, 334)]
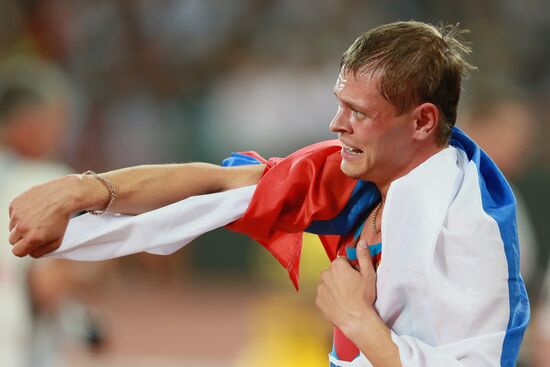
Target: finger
[(340, 261), (13, 220), (351, 255), (21, 248), (14, 236), (324, 277), (364, 257), (46, 249), (320, 298)]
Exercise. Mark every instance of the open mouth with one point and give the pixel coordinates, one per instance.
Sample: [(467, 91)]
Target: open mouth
[(351, 150)]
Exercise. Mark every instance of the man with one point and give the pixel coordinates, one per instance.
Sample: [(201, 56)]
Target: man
[(448, 290), (34, 106)]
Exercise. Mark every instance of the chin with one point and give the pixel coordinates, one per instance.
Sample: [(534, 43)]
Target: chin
[(353, 172)]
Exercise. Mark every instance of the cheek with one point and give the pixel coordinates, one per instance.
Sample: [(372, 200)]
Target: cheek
[(397, 139), (383, 149)]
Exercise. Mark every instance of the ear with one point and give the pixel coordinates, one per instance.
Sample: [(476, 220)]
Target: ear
[(426, 118)]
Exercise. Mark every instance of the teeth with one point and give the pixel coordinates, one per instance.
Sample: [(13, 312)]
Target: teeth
[(351, 150)]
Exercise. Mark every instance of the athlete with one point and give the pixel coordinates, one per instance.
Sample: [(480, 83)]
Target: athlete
[(419, 222)]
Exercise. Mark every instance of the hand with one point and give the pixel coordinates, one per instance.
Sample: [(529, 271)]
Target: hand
[(39, 217), (345, 294), (346, 298)]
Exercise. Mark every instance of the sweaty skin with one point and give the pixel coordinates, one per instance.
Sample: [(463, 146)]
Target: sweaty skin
[(378, 145), (39, 216)]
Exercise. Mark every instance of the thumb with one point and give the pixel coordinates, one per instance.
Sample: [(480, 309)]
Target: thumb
[(364, 257)]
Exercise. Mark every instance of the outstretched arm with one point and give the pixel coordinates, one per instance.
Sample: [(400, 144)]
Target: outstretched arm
[(144, 188), (39, 217)]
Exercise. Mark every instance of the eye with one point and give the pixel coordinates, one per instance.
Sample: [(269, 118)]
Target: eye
[(358, 115)]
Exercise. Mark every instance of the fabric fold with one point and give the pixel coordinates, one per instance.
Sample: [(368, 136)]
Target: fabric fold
[(161, 231)]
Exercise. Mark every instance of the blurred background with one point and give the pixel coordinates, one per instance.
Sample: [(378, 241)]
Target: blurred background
[(105, 84)]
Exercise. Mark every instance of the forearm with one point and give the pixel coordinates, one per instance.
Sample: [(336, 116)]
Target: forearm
[(369, 333), (144, 188)]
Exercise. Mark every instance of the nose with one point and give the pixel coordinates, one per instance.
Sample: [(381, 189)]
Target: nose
[(340, 123)]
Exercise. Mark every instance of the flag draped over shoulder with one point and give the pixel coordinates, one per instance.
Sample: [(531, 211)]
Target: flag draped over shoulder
[(448, 285), (305, 191)]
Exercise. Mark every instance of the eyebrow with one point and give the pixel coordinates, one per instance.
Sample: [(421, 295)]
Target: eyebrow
[(354, 106)]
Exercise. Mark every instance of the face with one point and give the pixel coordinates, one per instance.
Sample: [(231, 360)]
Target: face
[(377, 142), (506, 134), (36, 131)]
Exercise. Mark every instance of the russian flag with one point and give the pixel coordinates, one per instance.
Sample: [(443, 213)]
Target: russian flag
[(448, 284)]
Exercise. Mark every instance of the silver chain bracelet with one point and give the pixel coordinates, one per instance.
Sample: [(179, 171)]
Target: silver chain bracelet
[(112, 191)]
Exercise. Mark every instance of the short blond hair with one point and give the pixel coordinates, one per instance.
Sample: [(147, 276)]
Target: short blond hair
[(418, 62)]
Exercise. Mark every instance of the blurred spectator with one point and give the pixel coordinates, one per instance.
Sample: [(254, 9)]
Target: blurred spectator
[(503, 124), (34, 104), (505, 127), (271, 106)]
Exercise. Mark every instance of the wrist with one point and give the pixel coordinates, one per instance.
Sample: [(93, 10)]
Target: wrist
[(371, 335), (355, 325), (86, 193), (69, 188), (109, 186)]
